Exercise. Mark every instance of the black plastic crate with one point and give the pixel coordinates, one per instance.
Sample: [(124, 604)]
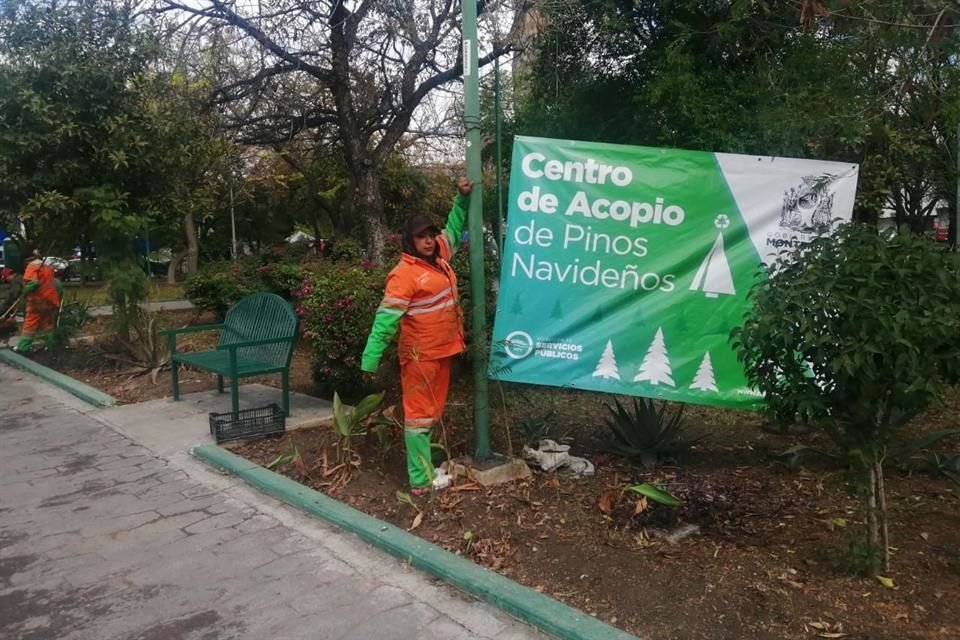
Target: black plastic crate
[(247, 423)]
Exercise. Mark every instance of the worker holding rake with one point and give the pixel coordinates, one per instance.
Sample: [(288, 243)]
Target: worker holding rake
[(43, 300)]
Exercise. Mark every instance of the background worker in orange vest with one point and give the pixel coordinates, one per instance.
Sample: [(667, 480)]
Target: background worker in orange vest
[(421, 301), (43, 299)]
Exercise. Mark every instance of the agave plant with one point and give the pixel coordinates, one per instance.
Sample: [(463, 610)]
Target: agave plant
[(647, 435)]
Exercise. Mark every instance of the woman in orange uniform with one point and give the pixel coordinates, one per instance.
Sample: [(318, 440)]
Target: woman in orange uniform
[(420, 301), (43, 300)]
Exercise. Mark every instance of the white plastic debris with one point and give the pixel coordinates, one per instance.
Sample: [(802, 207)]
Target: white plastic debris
[(578, 467), (551, 456), (443, 479)]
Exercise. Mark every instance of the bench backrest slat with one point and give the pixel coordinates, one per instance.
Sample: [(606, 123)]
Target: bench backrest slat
[(258, 317)]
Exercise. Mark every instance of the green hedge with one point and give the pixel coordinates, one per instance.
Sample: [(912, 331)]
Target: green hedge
[(218, 285)]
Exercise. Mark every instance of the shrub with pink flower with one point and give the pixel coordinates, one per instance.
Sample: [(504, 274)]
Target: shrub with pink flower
[(339, 303)]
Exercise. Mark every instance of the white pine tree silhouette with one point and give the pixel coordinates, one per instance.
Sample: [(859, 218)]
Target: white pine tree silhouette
[(656, 365), (607, 366), (705, 380), (713, 277)]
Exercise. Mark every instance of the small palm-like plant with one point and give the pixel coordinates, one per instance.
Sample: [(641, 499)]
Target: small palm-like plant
[(351, 421), (647, 435)]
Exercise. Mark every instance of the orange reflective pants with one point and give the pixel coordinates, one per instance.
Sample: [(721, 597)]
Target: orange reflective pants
[(425, 384)]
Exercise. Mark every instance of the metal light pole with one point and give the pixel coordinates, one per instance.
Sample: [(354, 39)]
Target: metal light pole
[(471, 117), (233, 224), (956, 206), (496, 114)]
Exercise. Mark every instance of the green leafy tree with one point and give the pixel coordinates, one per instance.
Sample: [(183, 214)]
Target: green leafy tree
[(74, 138), (859, 333)]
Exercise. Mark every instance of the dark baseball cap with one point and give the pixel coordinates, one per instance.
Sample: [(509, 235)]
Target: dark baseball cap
[(419, 223)]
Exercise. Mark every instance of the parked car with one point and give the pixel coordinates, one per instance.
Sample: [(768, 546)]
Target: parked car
[(59, 265)]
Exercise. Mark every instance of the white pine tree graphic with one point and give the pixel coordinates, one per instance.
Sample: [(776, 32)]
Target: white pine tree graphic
[(705, 380), (607, 366), (656, 365), (713, 276)]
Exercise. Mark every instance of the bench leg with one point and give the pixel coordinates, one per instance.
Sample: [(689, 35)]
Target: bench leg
[(219, 383), (235, 395), (285, 383), (175, 379)]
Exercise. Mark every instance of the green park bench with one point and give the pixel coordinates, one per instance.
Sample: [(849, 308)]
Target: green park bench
[(257, 337)]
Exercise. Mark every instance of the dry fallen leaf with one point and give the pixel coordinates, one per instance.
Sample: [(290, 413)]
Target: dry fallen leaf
[(887, 582), (831, 635), (641, 505), (606, 501), (417, 520), (925, 536), (470, 486)]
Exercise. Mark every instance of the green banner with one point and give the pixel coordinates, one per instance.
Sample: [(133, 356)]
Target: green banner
[(625, 268)]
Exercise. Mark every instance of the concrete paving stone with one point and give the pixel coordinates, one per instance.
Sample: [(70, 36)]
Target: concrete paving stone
[(41, 572), (475, 618), (44, 544), (135, 474), (400, 623), (204, 569), (104, 538), (212, 523), (342, 594), (257, 522), (119, 463), (291, 544), (242, 594), (172, 475), (206, 542), (309, 560), (217, 509), (445, 628), (178, 504), (100, 527), (388, 597), (199, 491), (164, 488), (93, 573), (177, 523), (258, 544)]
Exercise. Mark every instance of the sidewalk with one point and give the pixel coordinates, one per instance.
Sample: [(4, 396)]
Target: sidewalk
[(100, 539)]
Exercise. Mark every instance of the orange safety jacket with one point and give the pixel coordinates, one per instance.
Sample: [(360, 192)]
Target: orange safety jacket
[(421, 301), (39, 284)]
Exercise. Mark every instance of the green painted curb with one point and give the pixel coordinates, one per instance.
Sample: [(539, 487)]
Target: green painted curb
[(536, 609), (83, 391)]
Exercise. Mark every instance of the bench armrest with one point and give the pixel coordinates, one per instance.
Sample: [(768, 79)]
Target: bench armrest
[(173, 333)]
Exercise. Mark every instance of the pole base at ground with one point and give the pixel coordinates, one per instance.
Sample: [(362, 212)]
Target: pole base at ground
[(494, 470)]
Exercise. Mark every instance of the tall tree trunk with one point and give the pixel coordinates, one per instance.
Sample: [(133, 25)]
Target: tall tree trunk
[(873, 532), (172, 267), (193, 247), (191, 253), (882, 514), (371, 206)]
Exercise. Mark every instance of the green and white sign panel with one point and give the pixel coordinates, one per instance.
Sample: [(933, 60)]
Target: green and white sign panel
[(625, 268)]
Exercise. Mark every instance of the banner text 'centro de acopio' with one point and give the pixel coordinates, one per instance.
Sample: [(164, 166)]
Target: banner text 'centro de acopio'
[(625, 268)]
